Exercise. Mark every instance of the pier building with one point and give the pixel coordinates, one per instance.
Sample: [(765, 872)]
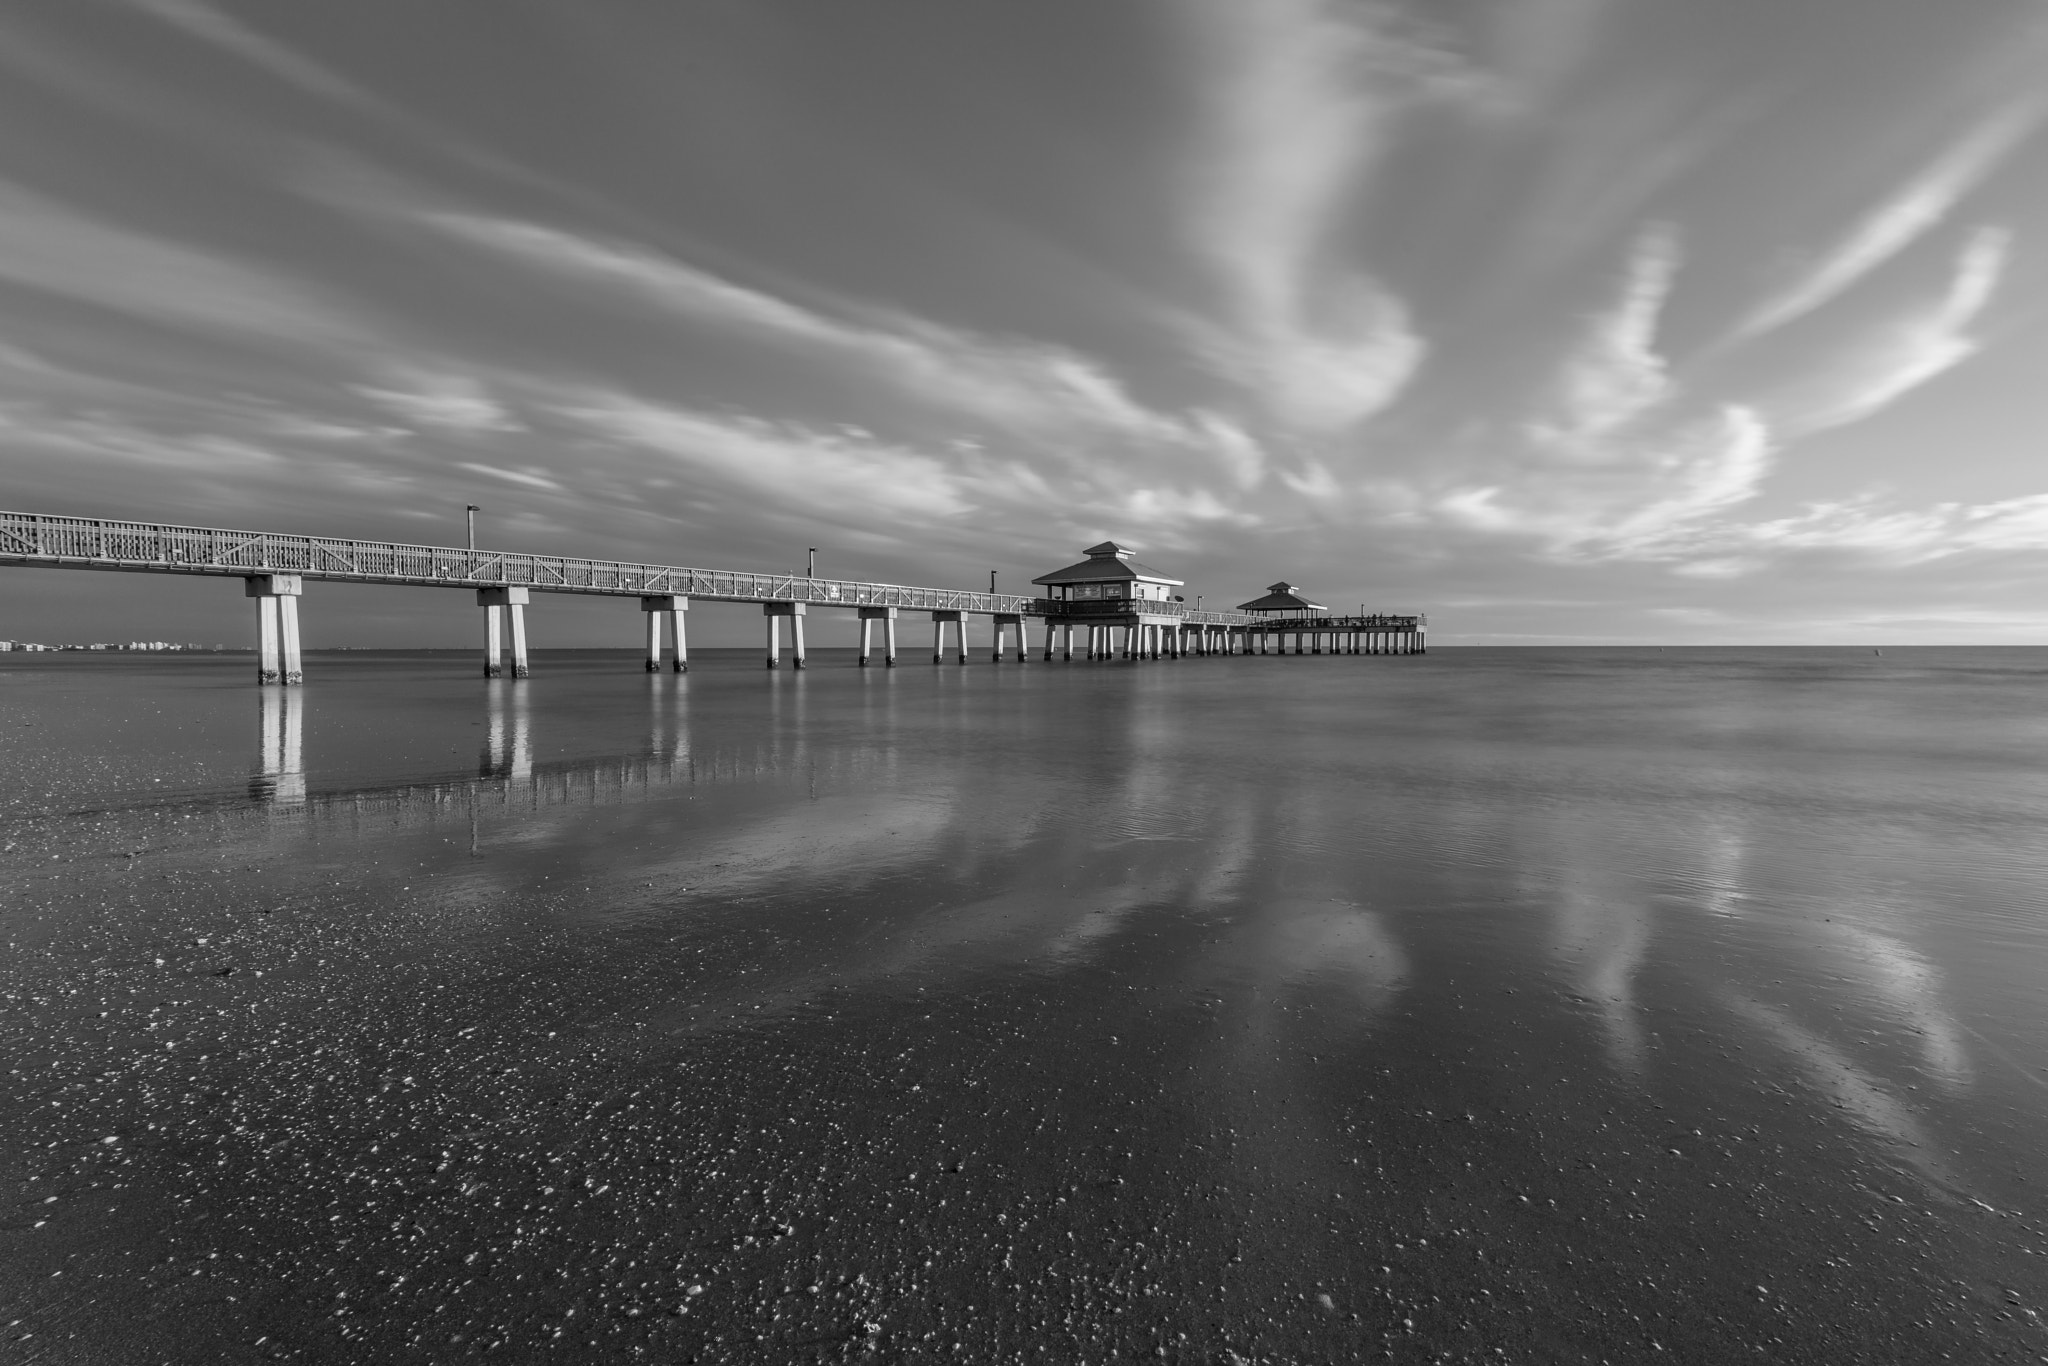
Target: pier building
[(1122, 609)]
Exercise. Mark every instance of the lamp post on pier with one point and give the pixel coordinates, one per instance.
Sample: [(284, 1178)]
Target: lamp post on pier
[(469, 513), (811, 563)]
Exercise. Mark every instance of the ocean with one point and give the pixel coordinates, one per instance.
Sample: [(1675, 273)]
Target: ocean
[(1532, 1005)]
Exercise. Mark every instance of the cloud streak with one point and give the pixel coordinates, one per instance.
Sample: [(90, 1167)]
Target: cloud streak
[(1909, 214), (49, 246), (1888, 361), (1300, 97)]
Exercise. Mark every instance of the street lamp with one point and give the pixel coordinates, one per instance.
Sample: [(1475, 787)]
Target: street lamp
[(469, 513), (811, 564), (991, 583)]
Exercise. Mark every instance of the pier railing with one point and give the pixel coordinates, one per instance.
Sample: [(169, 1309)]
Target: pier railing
[(30, 539), (33, 539)]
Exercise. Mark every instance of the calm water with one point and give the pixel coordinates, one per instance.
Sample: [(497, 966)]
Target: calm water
[(1530, 1005)]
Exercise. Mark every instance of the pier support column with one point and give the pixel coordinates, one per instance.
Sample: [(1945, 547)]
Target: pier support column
[(887, 616), (775, 612), (939, 620), (668, 607), (1052, 634), (277, 627), (512, 603), (997, 629), (515, 618)]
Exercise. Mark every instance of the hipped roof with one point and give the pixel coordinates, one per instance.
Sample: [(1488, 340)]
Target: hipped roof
[(1106, 563), (1281, 598)]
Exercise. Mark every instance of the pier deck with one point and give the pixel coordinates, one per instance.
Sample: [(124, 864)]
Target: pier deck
[(273, 566)]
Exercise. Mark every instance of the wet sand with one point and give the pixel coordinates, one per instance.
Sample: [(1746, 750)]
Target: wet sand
[(1529, 1006)]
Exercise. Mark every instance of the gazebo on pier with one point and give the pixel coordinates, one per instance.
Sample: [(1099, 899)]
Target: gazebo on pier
[(1110, 592), (1282, 600), (1285, 612)]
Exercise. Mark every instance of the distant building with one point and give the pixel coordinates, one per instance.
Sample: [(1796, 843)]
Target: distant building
[(1108, 572), (1282, 599)]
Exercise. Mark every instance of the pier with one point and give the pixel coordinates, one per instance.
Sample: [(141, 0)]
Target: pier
[(1115, 608)]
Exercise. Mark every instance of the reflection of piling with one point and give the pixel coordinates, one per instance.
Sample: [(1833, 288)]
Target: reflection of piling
[(280, 774), (507, 749)]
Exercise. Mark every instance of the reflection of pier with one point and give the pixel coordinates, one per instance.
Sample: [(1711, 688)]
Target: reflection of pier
[(1122, 610), (280, 773)]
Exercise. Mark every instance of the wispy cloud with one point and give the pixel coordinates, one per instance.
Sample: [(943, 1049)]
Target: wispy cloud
[(449, 402), (1299, 99), (1911, 211), (49, 246), (1615, 374), (841, 474), (1017, 384), (1885, 362), (204, 21), (525, 478)]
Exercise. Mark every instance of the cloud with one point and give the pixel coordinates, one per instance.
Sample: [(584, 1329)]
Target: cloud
[(1019, 384), (1616, 375), (209, 24), (49, 246), (1298, 100), (1888, 361), (783, 464), (523, 477), (1913, 210), (455, 403)]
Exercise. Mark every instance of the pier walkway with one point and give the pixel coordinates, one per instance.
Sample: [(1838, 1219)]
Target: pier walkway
[(274, 567)]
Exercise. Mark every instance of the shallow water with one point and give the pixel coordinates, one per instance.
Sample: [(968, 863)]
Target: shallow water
[(1525, 1005)]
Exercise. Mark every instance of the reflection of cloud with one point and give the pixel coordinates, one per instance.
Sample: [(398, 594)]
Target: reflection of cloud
[(1911, 987), (1297, 942), (1913, 209), (1605, 938), (1860, 1096)]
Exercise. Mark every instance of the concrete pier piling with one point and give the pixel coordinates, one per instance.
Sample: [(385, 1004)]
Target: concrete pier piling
[(1004, 623), (868, 617), (277, 627), (511, 601), (959, 621), (774, 612), (669, 608)]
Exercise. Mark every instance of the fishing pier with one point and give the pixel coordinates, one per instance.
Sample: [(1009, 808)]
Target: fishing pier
[(1106, 607)]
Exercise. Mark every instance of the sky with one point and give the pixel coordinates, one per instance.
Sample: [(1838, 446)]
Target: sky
[(1563, 321)]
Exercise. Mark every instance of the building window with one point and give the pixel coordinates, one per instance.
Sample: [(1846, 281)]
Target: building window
[(1112, 590)]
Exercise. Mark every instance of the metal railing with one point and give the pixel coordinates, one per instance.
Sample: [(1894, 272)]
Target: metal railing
[(35, 540), (31, 539)]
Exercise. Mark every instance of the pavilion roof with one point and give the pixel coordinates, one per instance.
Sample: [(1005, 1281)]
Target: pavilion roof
[(1281, 597)]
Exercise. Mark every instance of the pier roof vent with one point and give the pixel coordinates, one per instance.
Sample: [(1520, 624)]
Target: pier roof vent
[(1282, 597), (1108, 572)]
